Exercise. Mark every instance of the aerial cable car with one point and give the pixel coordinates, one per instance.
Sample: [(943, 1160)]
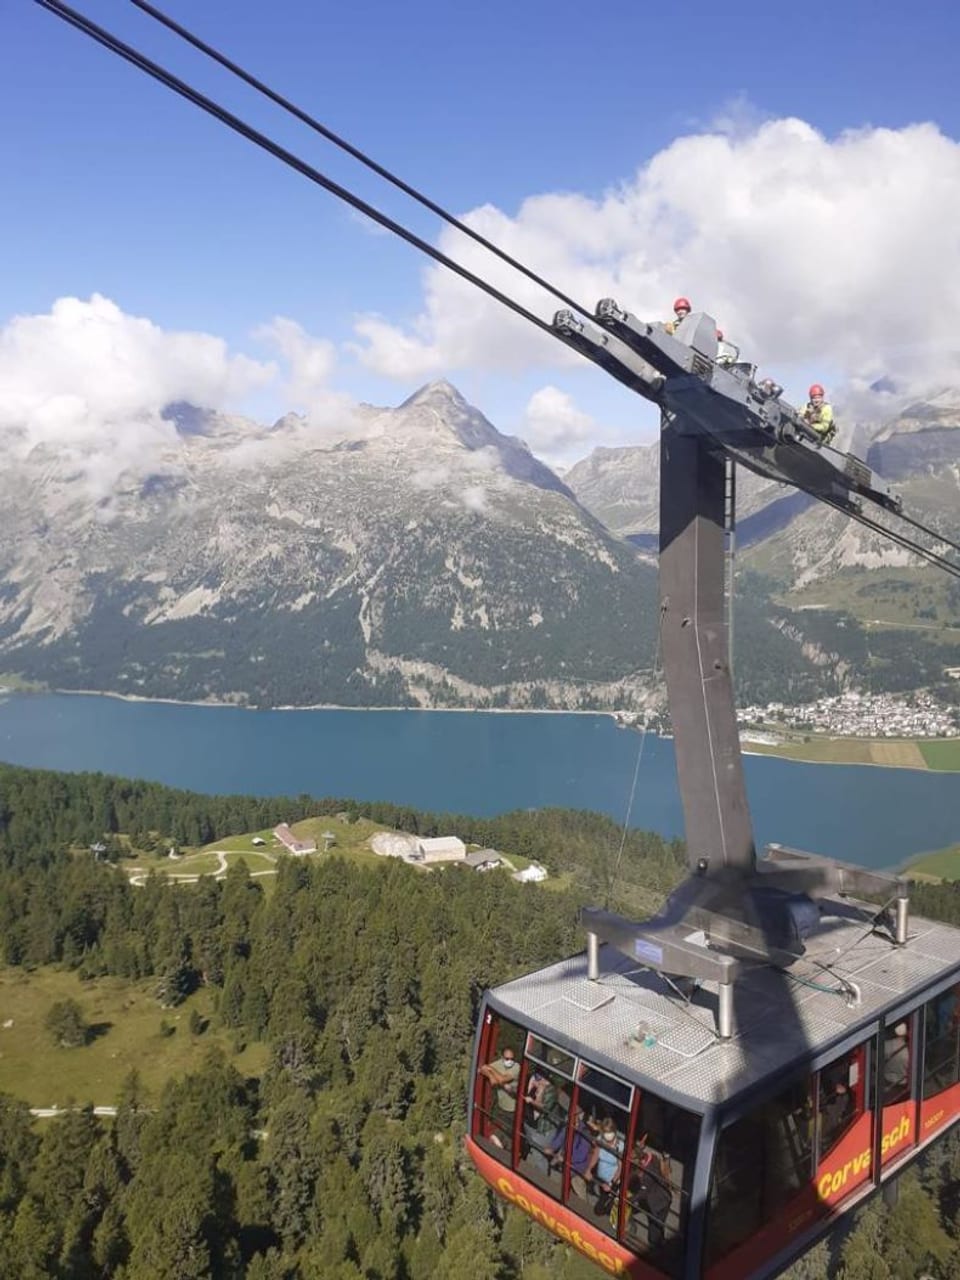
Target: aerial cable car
[(705, 1093)]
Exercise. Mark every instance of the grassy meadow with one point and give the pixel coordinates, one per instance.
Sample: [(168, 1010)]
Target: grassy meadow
[(944, 864), (933, 753), (126, 1021), (351, 840), (942, 753)]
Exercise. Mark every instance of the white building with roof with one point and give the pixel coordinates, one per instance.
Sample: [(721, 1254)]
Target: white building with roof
[(483, 860), (291, 843), (530, 874), (441, 849)]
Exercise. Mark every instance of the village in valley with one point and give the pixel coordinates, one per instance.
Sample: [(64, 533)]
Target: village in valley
[(882, 715)]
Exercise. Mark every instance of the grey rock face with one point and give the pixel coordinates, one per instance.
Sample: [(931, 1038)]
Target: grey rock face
[(919, 450), (409, 556), (622, 488)]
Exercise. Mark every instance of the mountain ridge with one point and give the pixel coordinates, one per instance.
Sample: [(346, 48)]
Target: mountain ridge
[(416, 556), (409, 556)]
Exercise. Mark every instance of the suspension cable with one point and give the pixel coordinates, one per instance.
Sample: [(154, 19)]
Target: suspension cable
[(636, 768), (911, 520), (931, 533), (325, 132), (114, 45), (178, 86), (900, 539)]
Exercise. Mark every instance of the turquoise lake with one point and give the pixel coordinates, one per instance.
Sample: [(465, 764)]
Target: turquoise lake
[(473, 762)]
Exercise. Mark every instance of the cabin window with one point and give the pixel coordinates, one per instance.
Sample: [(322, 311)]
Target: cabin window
[(941, 1042), (763, 1161), (599, 1136), (843, 1096), (546, 1109), (548, 1055), (897, 1061), (498, 1086), (898, 1115), (657, 1179), (609, 1088)]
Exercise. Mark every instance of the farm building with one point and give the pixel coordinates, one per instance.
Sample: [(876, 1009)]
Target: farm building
[(291, 843), (442, 849), (483, 860)]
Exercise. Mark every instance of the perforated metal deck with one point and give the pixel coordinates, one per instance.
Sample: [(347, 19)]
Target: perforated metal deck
[(779, 1016)]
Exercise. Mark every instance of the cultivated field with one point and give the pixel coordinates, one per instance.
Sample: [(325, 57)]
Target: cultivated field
[(902, 755), (942, 754), (942, 865), (127, 1035)]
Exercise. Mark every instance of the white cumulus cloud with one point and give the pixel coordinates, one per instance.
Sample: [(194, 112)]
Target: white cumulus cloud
[(840, 253), (554, 428), (309, 364), (89, 381)]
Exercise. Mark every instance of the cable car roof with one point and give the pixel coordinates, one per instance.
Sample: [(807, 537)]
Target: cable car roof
[(689, 1063)]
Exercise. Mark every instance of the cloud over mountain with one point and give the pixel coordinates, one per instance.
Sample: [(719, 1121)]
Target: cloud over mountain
[(835, 255), (836, 251), (90, 382)]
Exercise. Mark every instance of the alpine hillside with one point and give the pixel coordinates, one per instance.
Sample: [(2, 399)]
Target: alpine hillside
[(865, 611), (415, 557)]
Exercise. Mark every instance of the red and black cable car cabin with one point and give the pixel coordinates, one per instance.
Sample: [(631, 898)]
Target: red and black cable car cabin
[(724, 1159)]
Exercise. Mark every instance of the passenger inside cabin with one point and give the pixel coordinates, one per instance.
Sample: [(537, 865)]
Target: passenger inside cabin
[(503, 1073), (541, 1100), (582, 1154), (836, 1111), (896, 1064), (649, 1191), (539, 1117), (948, 1012), (941, 1065), (607, 1150)]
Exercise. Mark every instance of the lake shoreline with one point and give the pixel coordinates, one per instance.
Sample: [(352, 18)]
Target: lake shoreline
[(846, 764), (475, 764), (769, 751), (314, 706)]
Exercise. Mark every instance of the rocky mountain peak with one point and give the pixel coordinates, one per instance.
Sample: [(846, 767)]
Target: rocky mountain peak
[(191, 420), (439, 394), (400, 556)]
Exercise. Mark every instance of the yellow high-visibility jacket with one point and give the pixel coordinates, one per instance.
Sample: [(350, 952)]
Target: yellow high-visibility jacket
[(820, 420)]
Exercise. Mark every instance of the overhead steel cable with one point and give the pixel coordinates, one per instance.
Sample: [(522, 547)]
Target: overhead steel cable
[(932, 557), (139, 60), (201, 100), (900, 539), (931, 533), (312, 123)]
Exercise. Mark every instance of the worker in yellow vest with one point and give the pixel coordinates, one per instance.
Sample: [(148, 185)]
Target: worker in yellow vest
[(818, 415)]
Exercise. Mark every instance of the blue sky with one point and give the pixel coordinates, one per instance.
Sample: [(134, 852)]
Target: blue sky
[(113, 186)]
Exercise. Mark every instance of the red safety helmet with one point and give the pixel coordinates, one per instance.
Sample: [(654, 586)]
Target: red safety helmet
[(816, 390), (719, 335), (682, 304)]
